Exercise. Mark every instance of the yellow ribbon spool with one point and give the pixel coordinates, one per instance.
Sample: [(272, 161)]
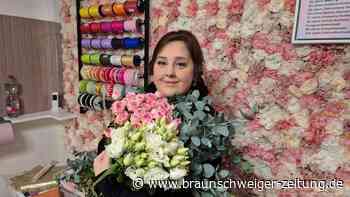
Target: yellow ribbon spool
[(84, 12), (94, 11)]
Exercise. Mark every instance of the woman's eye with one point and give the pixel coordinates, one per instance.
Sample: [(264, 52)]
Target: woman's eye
[(161, 62), (182, 64)]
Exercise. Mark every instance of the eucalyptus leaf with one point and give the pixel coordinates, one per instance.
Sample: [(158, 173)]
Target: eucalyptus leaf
[(200, 115), (206, 142), (196, 141), (224, 173), (200, 105), (209, 170), (206, 194), (222, 130)]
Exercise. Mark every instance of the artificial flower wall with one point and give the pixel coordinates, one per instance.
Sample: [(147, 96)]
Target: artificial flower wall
[(296, 97)]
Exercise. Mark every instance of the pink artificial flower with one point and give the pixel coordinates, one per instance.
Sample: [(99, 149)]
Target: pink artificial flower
[(288, 52), (272, 48), (285, 124), (121, 117), (192, 9), (254, 125), (289, 5), (322, 58), (156, 12), (299, 78), (263, 3), (212, 8), (236, 7), (260, 40), (312, 101)]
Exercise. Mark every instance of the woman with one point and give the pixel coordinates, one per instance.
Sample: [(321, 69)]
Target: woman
[(176, 68)]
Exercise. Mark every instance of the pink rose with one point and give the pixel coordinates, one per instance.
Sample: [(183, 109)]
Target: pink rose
[(121, 117), (192, 9), (236, 7), (212, 8), (118, 106), (263, 3)]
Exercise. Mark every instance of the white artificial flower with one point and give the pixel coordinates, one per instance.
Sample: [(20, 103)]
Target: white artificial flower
[(303, 51), (116, 148), (275, 6), (239, 74), (335, 127), (338, 83), (266, 85), (244, 60), (177, 173), (234, 30), (293, 105), (310, 86), (259, 54), (325, 77), (155, 174), (271, 115), (302, 118), (218, 44), (273, 61)]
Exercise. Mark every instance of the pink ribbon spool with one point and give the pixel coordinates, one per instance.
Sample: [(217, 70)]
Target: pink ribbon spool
[(117, 26), (130, 25), (106, 27)]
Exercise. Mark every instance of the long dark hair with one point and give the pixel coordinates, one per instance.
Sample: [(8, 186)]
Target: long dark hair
[(195, 51)]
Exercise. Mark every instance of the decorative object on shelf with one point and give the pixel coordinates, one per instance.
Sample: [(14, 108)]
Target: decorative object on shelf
[(13, 101)]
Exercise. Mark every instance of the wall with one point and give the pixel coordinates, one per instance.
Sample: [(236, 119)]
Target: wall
[(38, 9), (37, 142), (296, 96)]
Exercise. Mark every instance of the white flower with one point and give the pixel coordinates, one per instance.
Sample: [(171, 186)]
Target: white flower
[(244, 60), (234, 30), (259, 54), (275, 6), (116, 148), (177, 173), (271, 115), (134, 173), (335, 127), (154, 141), (266, 85), (155, 174), (293, 105), (302, 118), (309, 86), (170, 148)]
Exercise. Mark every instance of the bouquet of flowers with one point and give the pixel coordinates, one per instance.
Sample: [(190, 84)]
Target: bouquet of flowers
[(157, 138), (144, 142)]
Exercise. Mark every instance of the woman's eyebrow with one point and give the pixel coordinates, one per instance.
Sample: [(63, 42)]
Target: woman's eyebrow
[(161, 57), (180, 58)]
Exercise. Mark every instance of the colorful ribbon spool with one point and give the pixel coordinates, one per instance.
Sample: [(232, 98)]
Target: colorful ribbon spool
[(94, 11), (118, 91), (91, 87), (118, 9), (82, 85), (107, 10), (127, 60), (84, 12), (85, 58), (133, 6), (106, 27), (106, 43), (95, 27), (95, 58), (132, 43), (117, 43), (86, 43), (96, 43), (116, 60), (84, 28), (133, 25), (117, 26), (105, 59)]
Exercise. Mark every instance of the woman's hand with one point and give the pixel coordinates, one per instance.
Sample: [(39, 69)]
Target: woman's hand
[(101, 163)]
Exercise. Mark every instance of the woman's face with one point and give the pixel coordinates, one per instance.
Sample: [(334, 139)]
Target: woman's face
[(173, 69)]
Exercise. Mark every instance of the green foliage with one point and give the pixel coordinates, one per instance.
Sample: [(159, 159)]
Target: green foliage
[(206, 133), (80, 171)]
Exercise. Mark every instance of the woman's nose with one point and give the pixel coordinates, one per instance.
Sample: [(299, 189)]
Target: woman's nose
[(170, 70)]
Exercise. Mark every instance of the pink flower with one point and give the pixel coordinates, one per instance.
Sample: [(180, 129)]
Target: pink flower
[(212, 8), (260, 40), (299, 78), (322, 58), (118, 106), (289, 5), (263, 3), (236, 7), (272, 48), (121, 117), (285, 124), (254, 125), (192, 9), (288, 52)]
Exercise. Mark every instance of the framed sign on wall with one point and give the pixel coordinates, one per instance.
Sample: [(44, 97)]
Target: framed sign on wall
[(322, 21)]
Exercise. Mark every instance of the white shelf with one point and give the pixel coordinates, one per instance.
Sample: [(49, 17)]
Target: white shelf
[(60, 116)]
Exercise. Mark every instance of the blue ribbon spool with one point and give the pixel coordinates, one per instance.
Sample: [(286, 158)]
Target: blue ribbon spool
[(132, 43)]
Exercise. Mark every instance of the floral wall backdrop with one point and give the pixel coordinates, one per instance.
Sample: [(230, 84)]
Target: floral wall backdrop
[(295, 96)]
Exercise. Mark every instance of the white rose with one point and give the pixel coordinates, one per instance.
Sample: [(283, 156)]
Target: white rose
[(271, 115), (134, 173), (309, 86), (116, 148), (302, 118)]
